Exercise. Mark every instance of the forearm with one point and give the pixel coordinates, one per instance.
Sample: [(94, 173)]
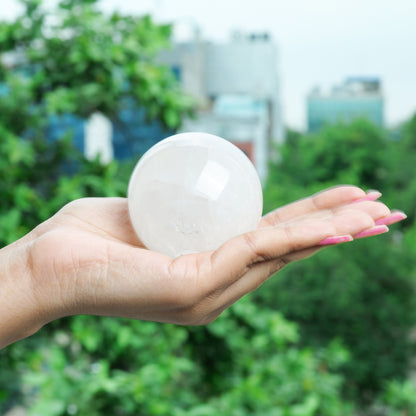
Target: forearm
[(20, 315)]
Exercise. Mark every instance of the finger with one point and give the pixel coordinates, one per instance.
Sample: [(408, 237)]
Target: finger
[(391, 218), (378, 212), (258, 273), (375, 209), (346, 222), (261, 272), (254, 278), (235, 257), (325, 200)]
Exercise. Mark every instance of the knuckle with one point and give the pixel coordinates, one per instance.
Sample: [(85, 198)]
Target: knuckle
[(192, 307), (251, 242), (203, 318), (209, 319), (192, 315), (191, 279), (291, 240), (382, 209), (71, 206)]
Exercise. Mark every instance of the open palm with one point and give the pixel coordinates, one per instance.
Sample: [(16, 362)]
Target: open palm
[(88, 260)]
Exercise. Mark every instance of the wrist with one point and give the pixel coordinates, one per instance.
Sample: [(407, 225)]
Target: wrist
[(21, 313)]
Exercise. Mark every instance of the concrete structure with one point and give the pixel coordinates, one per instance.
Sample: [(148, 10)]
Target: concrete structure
[(237, 89), (358, 97), (242, 120)]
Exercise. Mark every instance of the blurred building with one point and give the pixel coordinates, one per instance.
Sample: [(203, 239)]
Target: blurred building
[(357, 97), (236, 86)]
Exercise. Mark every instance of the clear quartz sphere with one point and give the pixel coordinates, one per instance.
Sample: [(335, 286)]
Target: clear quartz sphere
[(191, 193)]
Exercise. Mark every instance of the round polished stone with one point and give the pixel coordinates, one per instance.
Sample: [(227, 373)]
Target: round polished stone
[(192, 192)]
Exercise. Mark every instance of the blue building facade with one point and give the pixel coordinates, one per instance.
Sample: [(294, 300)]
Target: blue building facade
[(132, 134), (356, 98), (59, 126)]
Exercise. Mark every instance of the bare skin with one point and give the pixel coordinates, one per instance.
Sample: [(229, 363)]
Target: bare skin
[(86, 259)]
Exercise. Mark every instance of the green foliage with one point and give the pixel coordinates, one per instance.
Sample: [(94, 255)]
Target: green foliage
[(399, 399), (78, 60), (363, 292), (351, 154), (402, 170), (354, 305), (33, 186), (98, 366), (70, 59)]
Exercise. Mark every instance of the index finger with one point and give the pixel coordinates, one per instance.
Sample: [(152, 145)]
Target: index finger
[(324, 200)]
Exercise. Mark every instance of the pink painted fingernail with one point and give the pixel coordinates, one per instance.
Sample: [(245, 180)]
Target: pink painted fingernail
[(329, 241), (396, 216), (376, 230), (371, 196)]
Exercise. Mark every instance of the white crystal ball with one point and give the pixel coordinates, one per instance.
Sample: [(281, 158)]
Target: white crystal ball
[(191, 193)]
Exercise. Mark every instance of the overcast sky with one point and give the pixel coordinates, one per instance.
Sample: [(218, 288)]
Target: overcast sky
[(320, 41)]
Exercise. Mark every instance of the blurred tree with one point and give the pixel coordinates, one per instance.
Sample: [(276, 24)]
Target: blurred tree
[(398, 399), (108, 366), (363, 292), (72, 59), (76, 59), (357, 153), (402, 170)]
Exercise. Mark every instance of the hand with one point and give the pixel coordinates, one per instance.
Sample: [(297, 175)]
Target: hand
[(87, 259)]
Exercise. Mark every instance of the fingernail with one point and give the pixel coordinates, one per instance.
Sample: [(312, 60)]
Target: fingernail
[(329, 241), (396, 216), (371, 196), (376, 230)]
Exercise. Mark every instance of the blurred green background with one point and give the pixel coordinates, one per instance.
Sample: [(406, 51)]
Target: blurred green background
[(332, 335)]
